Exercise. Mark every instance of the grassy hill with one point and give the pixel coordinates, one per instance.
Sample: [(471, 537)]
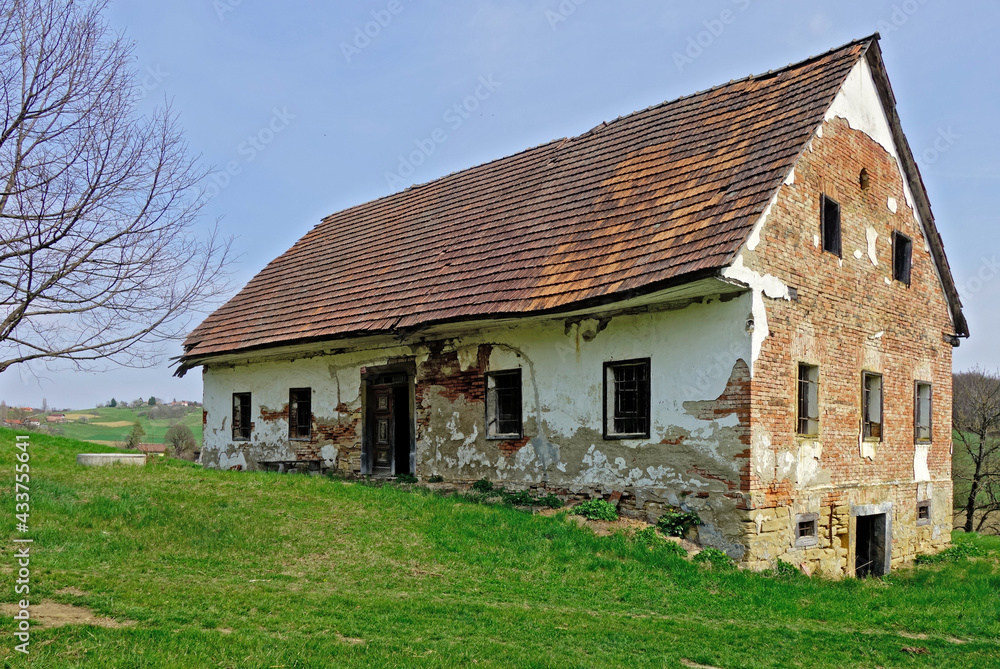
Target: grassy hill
[(176, 566), (108, 425)]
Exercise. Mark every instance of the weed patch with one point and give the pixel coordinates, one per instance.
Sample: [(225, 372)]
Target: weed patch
[(676, 523), (596, 509)]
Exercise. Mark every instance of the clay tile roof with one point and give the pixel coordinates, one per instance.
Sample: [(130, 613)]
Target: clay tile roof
[(660, 195)]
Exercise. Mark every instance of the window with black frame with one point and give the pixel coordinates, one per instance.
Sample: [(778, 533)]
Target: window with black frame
[(503, 404), (241, 416), (626, 399), (299, 413)]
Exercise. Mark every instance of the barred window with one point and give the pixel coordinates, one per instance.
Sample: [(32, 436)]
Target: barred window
[(626, 399), (922, 412), (871, 406), (808, 400), (924, 512), (503, 404), (241, 416), (806, 530), (299, 413)]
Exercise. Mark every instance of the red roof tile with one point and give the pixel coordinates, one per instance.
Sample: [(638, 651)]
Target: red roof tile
[(654, 197)]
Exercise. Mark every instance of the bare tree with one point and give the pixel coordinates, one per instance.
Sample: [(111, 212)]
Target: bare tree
[(98, 257), (976, 422)]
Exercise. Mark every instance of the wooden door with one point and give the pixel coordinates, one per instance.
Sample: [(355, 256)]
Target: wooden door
[(384, 437)]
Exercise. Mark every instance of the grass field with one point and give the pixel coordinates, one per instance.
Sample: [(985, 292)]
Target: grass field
[(202, 568), (121, 420)]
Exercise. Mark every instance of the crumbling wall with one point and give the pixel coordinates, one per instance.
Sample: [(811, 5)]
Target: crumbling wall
[(696, 457), (846, 315), (336, 421)]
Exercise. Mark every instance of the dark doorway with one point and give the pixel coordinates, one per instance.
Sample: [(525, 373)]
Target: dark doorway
[(403, 463), (869, 552), (389, 439)]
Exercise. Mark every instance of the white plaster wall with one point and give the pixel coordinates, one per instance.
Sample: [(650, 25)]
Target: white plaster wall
[(692, 350), (692, 353), (334, 380)]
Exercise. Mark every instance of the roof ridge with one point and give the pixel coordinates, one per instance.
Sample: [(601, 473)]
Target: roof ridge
[(634, 198), (564, 141)]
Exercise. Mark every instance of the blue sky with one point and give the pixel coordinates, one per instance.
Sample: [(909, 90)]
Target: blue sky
[(305, 108)]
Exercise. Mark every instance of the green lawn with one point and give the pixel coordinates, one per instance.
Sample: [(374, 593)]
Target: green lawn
[(231, 569), (155, 429)]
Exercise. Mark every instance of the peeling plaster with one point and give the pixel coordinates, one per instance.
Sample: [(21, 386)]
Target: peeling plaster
[(859, 104), (467, 357), (872, 237), (858, 254), (921, 472), (764, 462), (893, 205), (762, 285), (866, 448), (754, 239), (809, 471)]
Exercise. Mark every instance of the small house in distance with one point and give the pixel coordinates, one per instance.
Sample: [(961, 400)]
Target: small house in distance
[(735, 303)]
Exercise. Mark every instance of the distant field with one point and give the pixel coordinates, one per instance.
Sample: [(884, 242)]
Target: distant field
[(109, 425)]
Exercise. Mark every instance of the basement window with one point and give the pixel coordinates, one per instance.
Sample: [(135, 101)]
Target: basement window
[(808, 424), (806, 533), (299, 413), (924, 512), (871, 406), (902, 257), (241, 416), (503, 405), (830, 224), (626, 399), (922, 412)]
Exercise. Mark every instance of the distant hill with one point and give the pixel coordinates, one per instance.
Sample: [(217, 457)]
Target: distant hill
[(108, 425)]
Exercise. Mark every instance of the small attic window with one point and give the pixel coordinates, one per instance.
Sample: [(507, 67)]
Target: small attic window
[(830, 224), (864, 179), (902, 257)]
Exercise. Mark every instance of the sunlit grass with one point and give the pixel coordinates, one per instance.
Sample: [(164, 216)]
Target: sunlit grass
[(230, 569)]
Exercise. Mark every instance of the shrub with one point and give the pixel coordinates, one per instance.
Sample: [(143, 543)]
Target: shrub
[(550, 501), (437, 478), (785, 569), (953, 554), (482, 485), (135, 436), (181, 441), (406, 478), (519, 498), (651, 538), (596, 509), (676, 523), (714, 558)]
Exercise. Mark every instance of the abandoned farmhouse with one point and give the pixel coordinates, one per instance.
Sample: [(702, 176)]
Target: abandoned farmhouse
[(735, 303)]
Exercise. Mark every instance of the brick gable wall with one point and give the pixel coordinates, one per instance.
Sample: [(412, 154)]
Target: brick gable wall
[(847, 318)]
